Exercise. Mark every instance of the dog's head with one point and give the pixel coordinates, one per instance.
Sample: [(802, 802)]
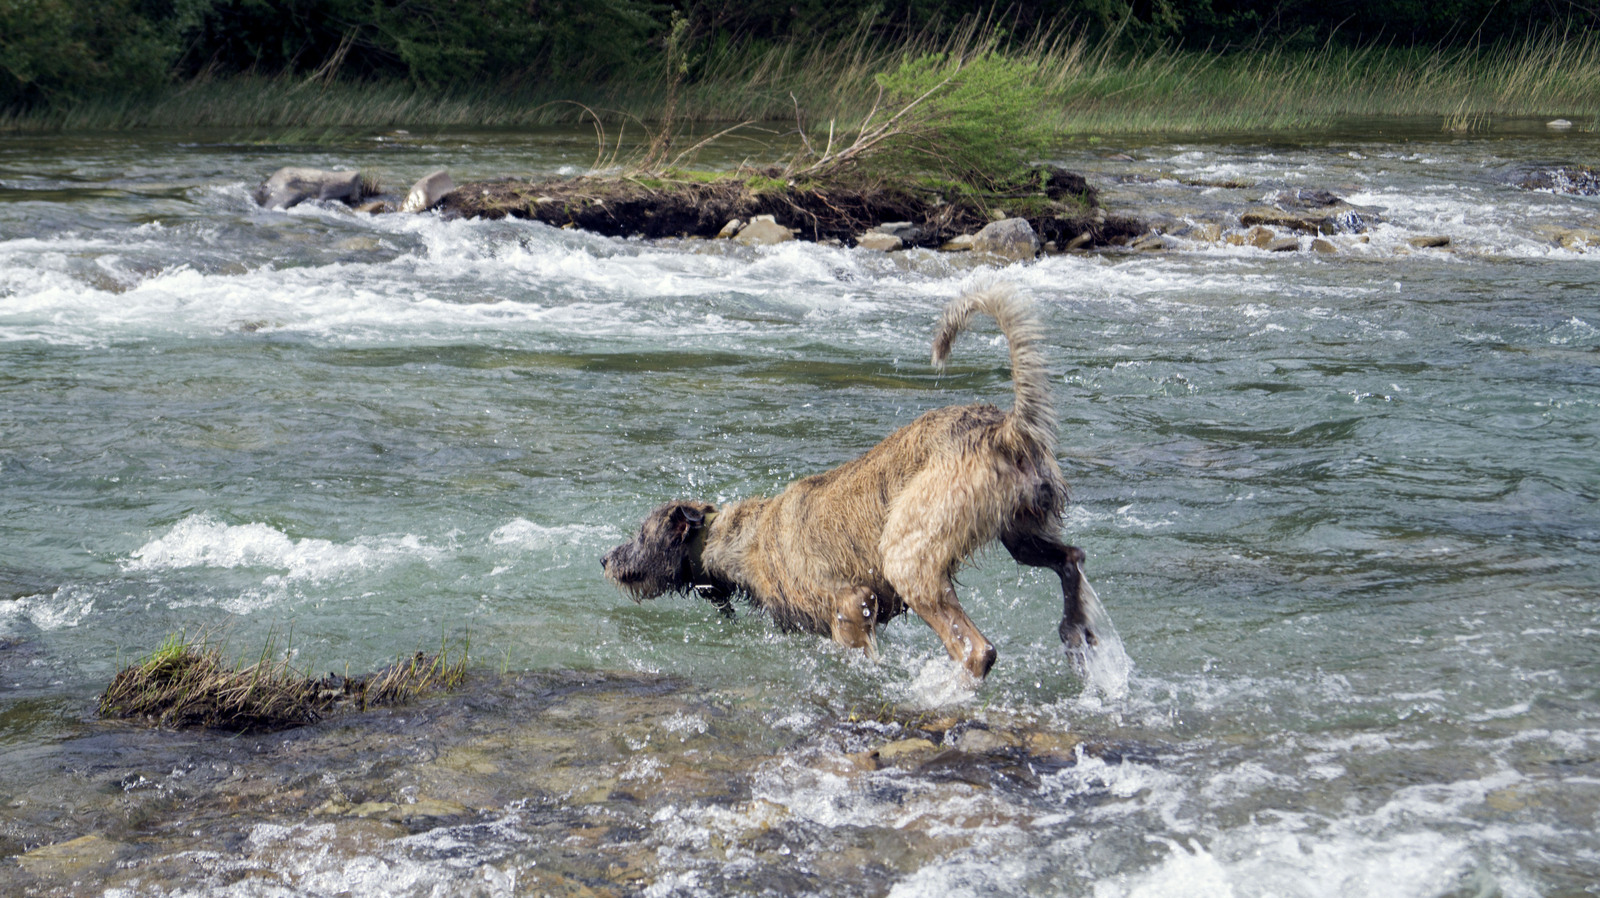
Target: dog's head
[(658, 559)]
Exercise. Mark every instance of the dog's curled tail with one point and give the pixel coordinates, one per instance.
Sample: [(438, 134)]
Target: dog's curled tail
[(1032, 419)]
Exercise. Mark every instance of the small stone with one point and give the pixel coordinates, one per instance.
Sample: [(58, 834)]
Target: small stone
[(1259, 237), (1206, 232), (1284, 245), (904, 747), (1080, 241), (979, 741), (905, 230), (959, 244), (376, 207), (426, 193), (730, 229), (1148, 243), (1057, 746), (1430, 242), (1559, 124), (881, 242), (1324, 246)]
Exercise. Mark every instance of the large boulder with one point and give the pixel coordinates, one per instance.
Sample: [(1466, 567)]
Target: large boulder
[(292, 186), (763, 230), (428, 192), (1009, 238)]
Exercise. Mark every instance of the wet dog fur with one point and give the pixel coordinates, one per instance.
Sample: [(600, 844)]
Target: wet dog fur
[(841, 552)]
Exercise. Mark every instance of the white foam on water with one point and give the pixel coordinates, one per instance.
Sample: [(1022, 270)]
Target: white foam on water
[(320, 859), (940, 683), (63, 608), (525, 534), (201, 540)]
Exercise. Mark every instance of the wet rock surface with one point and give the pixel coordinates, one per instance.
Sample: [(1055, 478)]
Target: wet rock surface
[(289, 187), (566, 783), (1577, 180)]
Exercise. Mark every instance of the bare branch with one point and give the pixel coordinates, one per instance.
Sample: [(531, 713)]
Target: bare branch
[(696, 148)]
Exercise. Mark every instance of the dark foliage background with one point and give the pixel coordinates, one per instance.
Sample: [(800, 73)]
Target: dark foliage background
[(60, 50)]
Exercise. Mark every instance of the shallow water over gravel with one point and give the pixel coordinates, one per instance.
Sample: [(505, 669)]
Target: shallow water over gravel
[(1341, 508)]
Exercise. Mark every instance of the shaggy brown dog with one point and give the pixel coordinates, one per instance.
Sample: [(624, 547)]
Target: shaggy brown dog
[(843, 551)]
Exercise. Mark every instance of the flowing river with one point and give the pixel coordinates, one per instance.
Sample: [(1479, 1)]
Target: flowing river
[(1341, 507)]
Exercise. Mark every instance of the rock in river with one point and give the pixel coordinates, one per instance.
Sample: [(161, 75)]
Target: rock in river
[(764, 230), (292, 186), (428, 192), (1011, 238)]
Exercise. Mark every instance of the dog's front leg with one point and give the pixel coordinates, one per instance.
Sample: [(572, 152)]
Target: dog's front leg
[(855, 613)]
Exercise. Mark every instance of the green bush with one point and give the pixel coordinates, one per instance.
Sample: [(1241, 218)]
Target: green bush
[(979, 124)]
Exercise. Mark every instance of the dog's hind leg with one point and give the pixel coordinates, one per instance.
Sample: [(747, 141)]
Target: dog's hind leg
[(1037, 549), (932, 596)]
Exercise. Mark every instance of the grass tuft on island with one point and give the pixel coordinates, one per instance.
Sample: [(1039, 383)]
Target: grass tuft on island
[(186, 683)]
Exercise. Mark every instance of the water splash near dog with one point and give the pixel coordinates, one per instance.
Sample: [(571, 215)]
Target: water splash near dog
[(1105, 665)]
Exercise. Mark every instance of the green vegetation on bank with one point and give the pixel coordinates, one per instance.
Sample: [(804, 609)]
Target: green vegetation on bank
[(1080, 66), (1083, 87)]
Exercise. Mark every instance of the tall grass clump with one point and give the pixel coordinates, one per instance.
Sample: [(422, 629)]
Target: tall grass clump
[(187, 683)]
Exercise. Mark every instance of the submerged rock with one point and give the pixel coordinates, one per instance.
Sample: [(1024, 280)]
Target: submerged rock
[(1318, 212), (1430, 242), (1577, 180), (291, 186), (1575, 239)]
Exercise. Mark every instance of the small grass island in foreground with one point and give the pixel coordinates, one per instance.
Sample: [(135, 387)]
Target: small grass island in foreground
[(186, 683)]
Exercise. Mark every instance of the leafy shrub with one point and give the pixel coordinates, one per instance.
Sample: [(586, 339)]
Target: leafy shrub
[(979, 121)]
